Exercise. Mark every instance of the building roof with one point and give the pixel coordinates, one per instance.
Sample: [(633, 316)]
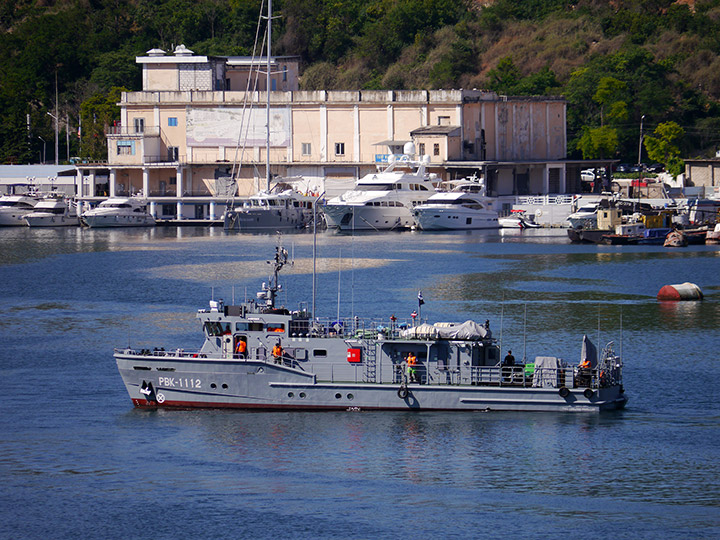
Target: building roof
[(27, 173)]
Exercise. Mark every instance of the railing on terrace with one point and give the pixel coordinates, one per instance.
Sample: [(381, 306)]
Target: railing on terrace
[(545, 199), (132, 131)]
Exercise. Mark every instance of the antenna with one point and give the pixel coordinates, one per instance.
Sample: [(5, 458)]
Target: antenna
[(621, 333), (524, 336), (338, 298), (233, 295), (502, 314)]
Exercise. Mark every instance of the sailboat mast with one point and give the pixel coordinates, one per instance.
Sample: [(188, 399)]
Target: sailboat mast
[(267, 92)]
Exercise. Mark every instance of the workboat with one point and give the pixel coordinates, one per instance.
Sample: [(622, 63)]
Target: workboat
[(281, 208), (257, 355), (384, 200), (119, 212), (13, 208), (53, 210), (463, 206)]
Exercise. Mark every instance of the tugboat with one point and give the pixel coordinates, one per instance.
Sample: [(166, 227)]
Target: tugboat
[(257, 355)]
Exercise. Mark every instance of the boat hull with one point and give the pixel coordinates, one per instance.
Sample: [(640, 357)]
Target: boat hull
[(13, 217), (259, 220), (50, 220), (377, 218), (188, 382), (103, 221), (450, 219)]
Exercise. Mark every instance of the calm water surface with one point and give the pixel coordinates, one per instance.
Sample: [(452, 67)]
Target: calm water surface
[(77, 460)]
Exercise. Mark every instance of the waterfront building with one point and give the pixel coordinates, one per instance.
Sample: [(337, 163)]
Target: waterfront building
[(197, 117)]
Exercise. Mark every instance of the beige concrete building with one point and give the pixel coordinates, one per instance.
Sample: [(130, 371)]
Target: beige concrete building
[(198, 120)]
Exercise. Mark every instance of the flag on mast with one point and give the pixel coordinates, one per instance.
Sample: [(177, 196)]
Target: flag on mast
[(420, 299)]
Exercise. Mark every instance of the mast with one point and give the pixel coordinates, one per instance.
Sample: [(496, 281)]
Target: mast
[(267, 92)]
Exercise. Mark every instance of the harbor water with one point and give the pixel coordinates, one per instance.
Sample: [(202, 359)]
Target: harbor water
[(77, 460)]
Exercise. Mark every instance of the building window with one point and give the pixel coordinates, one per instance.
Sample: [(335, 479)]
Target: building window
[(139, 124), (126, 148), (436, 149), (284, 73), (173, 180), (172, 121), (173, 153), (340, 149), (306, 149), (443, 120), (421, 148), (273, 84)]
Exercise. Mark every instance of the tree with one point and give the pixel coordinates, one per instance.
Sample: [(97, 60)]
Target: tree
[(598, 142), (98, 114), (665, 147)]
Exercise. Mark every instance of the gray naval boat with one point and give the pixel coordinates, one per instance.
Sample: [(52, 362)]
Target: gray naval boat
[(259, 356)]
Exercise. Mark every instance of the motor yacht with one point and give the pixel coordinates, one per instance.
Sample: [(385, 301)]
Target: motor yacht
[(384, 200), (53, 211), (281, 208), (119, 212), (464, 206), (13, 208)]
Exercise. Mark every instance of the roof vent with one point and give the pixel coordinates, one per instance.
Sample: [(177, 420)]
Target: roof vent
[(155, 52), (182, 50)]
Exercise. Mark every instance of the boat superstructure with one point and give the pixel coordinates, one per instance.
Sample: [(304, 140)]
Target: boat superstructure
[(54, 210), (119, 212), (385, 199), (463, 206), (259, 356), (13, 208), (281, 208)]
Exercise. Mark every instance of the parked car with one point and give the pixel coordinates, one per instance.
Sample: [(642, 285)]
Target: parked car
[(587, 175), (656, 168), (622, 167), (637, 168)]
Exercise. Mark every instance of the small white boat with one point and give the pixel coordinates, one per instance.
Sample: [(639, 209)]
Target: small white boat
[(585, 216), (53, 211), (13, 208), (119, 212), (465, 206), (517, 220)]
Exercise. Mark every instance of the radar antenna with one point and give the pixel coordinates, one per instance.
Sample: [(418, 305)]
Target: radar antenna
[(280, 260)]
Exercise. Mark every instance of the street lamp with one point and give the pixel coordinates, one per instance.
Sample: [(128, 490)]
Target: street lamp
[(44, 145), (641, 141)]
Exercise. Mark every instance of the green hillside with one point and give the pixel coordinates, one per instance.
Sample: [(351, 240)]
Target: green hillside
[(615, 62)]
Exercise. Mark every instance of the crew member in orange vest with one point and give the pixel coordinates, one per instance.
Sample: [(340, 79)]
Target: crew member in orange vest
[(412, 371), (240, 348), (277, 353)]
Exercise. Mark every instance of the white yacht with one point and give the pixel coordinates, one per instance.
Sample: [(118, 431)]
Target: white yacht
[(463, 206), (13, 208), (282, 208), (119, 212), (384, 200), (52, 211)]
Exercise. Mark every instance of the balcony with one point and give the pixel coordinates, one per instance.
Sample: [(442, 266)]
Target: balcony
[(133, 131)]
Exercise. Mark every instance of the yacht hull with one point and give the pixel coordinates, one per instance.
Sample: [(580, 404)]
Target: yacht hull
[(371, 218), (450, 219)]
